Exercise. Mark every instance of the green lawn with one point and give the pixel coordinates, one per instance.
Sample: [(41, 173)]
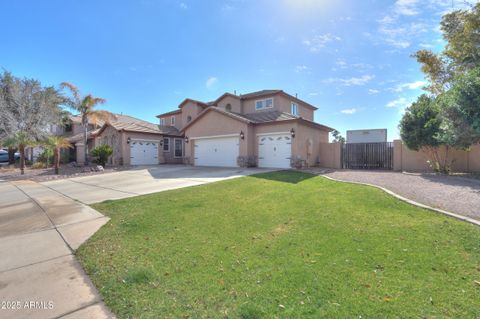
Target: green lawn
[(282, 245)]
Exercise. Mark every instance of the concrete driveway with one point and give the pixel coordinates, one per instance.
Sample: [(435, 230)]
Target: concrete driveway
[(142, 180), (42, 224)]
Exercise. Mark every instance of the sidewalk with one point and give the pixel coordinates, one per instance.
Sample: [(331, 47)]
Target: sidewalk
[(39, 275)]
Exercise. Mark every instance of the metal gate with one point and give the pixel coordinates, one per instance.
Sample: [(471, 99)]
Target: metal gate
[(367, 155)]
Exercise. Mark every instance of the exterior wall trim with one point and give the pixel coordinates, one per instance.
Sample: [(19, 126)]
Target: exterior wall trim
[(144, 139), (275, 133), (214, 136)]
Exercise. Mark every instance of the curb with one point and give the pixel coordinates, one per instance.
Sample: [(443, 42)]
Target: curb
[(409, 201)]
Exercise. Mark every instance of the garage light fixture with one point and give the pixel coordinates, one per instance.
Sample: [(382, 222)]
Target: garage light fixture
[(242, 135), (128, 140), (186, 139), (292, 133)]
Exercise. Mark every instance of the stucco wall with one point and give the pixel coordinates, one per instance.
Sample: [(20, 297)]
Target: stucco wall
[(191, 109), (330, 155), (215, 124), (413, 161), (280, 103), (235, 103), (168, 120)]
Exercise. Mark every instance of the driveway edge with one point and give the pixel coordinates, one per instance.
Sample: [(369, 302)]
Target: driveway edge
[(409, 201)]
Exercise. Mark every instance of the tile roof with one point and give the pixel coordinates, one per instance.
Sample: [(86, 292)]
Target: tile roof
[(267, 116), (259, 93)]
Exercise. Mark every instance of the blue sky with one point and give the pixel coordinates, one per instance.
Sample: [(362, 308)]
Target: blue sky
[(350, 58)]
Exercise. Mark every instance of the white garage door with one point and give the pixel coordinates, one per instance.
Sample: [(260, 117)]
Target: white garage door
[(143, 152), (274, 151), (219, 151)]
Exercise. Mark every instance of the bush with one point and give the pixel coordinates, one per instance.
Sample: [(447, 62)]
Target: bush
[(38, 165), (46, 157), (101, 154)]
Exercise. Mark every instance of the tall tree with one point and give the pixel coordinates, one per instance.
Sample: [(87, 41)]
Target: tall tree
[(460, 110), (420, 129), (461, 31), (27, 109), (86, 106)]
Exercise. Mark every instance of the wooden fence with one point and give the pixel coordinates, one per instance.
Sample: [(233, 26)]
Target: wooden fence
[(367, 155)]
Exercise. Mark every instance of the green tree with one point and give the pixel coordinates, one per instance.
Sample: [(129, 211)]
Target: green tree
[(56, 144), (85, 105), (421, 130), (460, 110), (27, 109), (20, 140), (101, 154), (337, 137), (460, 29)]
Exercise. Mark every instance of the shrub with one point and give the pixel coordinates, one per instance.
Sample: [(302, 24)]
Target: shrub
[(38, 165), (46, 157), (101, 154)]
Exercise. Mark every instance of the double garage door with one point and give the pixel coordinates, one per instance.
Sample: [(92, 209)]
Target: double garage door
[(219, 151), (273, 151), (143, 152)]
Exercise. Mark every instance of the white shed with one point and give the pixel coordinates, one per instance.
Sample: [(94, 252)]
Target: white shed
[(367, 136)]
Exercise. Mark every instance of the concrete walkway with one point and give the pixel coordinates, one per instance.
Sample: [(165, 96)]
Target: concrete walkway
[(143, 180), (41, 225), (39, 276)]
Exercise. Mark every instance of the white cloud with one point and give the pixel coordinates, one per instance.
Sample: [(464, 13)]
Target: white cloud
[(349, 111), (319, 41), (343, 64), (411, 86), (353, 81), (211, 82), (313, 93), (373, 91), (399, 103), (301, 68), (183, 5), (406, 7)]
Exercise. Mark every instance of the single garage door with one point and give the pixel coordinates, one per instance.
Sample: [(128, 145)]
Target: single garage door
[(219, 151), (143, 152), (274, 150)]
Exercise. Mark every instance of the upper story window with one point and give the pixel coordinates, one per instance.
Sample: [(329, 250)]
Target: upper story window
[(173, 120), (263, 104), (228, 107), (162, 121), (294, 108), (189, 118)]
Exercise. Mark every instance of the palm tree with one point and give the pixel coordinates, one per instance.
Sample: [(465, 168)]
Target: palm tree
[(56, 144), (85, 105), (20, 140)]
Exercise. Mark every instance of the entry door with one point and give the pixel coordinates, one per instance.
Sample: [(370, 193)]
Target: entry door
[(220, 151), (274, 151), (143, 152)]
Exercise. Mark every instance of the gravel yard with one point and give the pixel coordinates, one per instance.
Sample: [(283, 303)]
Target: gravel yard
[(8, 173), (455, 194)]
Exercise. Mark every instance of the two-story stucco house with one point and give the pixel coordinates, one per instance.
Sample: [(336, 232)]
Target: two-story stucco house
[(269, 128)]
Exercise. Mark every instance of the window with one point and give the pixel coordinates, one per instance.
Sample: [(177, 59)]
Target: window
[(294, 109), (173, 120), (166, 144), (178, 147), (264, 104), (162, 121), (189, 118), (228, 107)]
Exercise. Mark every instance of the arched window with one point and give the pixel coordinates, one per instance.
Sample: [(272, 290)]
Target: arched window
[(189, 118), (228, 107)]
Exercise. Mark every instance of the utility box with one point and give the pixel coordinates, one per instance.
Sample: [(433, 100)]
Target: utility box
[(367, 136)]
